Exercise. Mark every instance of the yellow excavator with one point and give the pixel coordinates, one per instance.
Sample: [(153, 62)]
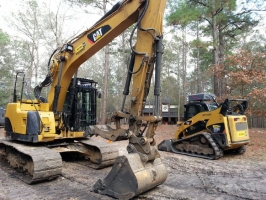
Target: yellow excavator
[(209, 129), (38, 130)]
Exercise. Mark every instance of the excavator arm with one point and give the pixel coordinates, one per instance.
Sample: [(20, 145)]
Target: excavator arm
[(66, 60), (142, 168), (146, 53)]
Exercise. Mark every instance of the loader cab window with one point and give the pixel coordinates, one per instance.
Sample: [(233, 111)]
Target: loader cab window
[(212, 106), (193, 109)]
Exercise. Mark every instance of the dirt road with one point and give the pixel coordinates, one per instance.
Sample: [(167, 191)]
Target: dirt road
[(231, 177)]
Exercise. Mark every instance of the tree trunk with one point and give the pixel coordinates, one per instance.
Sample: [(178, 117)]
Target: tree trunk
[(215, 54), (105, 85), (184, 52), (221, 62), (199, 89)]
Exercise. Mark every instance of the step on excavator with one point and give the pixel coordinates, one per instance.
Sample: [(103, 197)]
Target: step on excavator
[(209, 129), (38, 131)]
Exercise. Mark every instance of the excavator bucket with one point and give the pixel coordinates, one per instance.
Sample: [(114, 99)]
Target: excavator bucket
[(165, 145), (130, 177)]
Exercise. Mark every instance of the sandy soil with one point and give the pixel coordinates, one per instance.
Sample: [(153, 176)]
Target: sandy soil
[(231, 177)]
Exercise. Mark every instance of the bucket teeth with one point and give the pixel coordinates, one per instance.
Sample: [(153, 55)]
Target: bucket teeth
[(130, 177)]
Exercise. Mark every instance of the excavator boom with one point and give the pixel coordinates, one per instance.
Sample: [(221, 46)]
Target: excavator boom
[(66, 119), (142, 169)]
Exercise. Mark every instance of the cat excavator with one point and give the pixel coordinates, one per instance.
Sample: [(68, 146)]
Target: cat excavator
[(38, 130), (209, 129)]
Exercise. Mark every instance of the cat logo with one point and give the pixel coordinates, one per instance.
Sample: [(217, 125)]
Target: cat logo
[(80, 48), (97, 34)]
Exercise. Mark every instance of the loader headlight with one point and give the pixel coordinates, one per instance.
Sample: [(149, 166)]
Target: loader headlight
[(188, 122)]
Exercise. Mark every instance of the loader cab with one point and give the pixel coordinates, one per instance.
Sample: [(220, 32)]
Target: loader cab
[(199, 103), (80, 104)]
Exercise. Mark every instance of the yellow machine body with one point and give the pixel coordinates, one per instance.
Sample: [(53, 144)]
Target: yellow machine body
[(210, 129), (56, 121), (20, 111), (235, 127)]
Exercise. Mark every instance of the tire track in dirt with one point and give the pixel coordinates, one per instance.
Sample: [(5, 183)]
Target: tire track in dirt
[(215, 179), (189, 178)]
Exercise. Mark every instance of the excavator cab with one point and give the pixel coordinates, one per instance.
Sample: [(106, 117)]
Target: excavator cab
[(80, 104)]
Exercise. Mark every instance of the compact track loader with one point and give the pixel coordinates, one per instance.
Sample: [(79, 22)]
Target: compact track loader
[(210, 128)]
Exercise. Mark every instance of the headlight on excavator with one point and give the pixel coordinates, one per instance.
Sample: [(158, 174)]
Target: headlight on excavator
[(69, 48)]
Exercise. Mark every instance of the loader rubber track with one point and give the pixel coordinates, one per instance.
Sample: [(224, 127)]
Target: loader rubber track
[(35, 163), (201, 145)]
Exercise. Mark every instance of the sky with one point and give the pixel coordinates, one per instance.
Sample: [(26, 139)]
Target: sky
[(80, 22)]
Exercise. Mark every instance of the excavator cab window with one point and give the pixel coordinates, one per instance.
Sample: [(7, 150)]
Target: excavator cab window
[(80, 104), (88, 106)]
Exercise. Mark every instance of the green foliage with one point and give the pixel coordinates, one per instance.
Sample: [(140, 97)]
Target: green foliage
[(221, 22), (4, 38), (5, 57), (183, 13), (233, 25)]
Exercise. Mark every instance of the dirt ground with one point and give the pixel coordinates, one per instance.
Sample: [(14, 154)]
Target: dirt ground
[(232, 177)]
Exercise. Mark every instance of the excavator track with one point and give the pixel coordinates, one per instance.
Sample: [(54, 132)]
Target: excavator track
[(104, 154), (35, 163), (201, 145), (90, 152)]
